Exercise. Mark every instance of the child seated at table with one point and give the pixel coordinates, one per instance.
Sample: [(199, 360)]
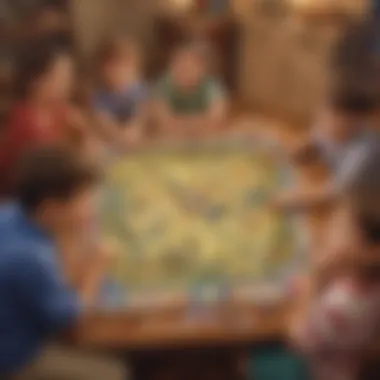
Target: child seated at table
[(44, 286), (188, 100), (42, 113), (120, 99), (337, 322), (343, 137)]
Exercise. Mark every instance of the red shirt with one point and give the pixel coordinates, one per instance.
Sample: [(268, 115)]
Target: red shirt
[(27, 129)]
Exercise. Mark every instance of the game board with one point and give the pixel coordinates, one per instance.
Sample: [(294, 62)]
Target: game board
[(194, 216)]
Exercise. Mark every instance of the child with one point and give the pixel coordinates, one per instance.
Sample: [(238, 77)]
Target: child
[(340, 316), (119, 102), (343, 136), (42, 113), (44, 288), (188, 100)]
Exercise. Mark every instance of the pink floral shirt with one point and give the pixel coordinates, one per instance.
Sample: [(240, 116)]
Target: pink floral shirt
[(342, 322)]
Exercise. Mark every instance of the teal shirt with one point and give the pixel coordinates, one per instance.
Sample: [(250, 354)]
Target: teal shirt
[(196, 101)]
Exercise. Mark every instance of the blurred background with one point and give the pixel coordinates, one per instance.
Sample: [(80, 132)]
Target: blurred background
[(273, 55)]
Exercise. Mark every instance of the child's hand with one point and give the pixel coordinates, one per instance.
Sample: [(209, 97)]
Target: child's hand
[(105, 254)]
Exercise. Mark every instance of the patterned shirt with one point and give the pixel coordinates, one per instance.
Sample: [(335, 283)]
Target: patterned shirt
[(340, 324)]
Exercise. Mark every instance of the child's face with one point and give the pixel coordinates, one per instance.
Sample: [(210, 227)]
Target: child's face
[(118, 73), (187, 68), (56, 84), (75, 215)]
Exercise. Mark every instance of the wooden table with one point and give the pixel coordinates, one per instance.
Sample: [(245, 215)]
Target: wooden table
[(166, 344)]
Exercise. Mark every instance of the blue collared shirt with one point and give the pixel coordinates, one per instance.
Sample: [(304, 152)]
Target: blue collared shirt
[(36, 303)]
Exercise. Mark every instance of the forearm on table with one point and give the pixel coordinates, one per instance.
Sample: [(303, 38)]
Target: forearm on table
[(108, 128), (89, 283), (310, 199), (83, 272)]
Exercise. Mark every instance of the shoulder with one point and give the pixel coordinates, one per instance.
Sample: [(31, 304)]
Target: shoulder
[(214, 86), (27, 261), (8, 212), (20, 113)]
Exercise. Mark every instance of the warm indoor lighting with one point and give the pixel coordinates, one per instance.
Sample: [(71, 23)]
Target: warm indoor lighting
[(181, 5)]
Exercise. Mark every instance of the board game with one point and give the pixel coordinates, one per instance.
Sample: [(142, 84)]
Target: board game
[(190, 218)]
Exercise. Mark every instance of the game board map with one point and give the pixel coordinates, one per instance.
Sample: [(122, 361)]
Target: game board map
[(190, 221)]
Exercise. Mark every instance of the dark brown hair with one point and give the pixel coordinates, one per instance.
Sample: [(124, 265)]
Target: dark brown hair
[(52, 173), (354, 99), (34, 60)]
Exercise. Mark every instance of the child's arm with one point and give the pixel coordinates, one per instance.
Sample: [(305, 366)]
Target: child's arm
[(214, 118), (85, 139), (306, 199), (134, 130), (44, 293), (168, 123), (85, 271)]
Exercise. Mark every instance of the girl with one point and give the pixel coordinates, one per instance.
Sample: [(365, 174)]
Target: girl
[(119, 100), (41, 113)]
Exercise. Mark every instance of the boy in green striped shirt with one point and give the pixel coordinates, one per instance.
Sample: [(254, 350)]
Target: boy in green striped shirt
[(189, 102)]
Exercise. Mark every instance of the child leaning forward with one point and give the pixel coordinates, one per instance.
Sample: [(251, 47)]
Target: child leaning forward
[(338, 318)]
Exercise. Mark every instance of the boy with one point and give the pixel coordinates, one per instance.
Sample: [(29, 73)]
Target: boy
[(121, 96), (340, 315), (344, 138), (188, 101), (44, 283)]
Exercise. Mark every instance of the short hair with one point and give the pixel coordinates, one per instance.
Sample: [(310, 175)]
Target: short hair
[(356, 99), (116, 47), (52, 173)]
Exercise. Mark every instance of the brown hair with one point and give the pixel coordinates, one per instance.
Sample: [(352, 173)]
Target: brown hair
[(115, 48), (52, 173), (353, 98), (34, 61)]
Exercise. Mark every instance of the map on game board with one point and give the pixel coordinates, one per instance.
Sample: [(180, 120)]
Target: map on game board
[(184, 215)]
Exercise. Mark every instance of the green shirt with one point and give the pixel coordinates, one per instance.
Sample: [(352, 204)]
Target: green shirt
[(196, 101)]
